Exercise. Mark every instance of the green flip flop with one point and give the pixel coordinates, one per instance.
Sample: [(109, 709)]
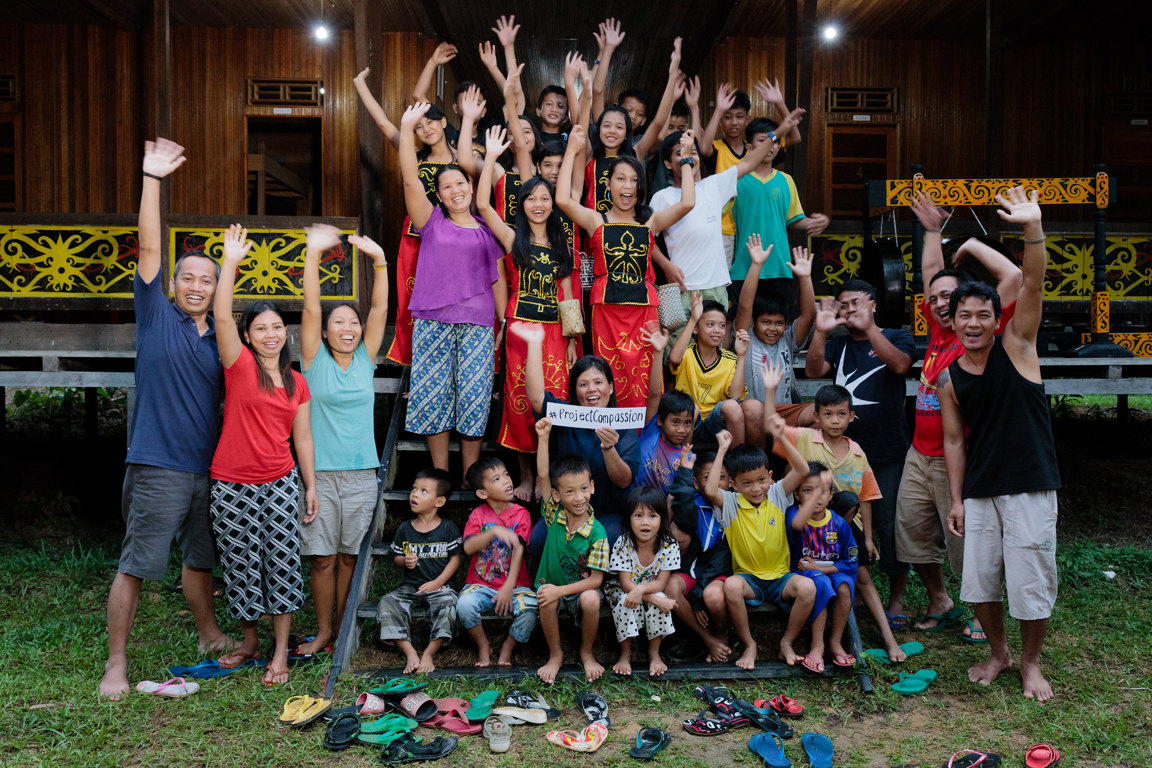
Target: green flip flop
[(912, 684), (911, 648), (943, 620), (383, 739), (480, 707), (389, 722), (974, 640), (399, 685)]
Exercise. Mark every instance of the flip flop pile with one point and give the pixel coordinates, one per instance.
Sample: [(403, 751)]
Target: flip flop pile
[(726, 713), (596, 733)]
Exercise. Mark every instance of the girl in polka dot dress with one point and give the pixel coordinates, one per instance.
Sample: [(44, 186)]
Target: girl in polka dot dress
[(643, 558)]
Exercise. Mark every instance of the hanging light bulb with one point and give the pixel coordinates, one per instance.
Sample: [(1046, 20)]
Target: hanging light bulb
[(320, 32), (831, 32)]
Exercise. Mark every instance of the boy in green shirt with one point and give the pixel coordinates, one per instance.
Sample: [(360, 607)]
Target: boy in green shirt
[(574, 559)]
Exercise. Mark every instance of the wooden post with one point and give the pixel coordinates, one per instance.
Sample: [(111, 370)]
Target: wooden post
[(993, 92), (158, 81), (368, 32), (919, 322)]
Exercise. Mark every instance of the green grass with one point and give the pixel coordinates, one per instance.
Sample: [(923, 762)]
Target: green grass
[(53, 644)]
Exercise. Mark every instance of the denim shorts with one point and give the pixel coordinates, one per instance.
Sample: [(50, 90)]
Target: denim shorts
[(766, 590)]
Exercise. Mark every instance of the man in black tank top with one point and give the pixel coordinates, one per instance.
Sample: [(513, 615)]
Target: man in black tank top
[(1003, 478)]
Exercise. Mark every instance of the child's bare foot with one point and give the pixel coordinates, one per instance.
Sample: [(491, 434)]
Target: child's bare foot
[(314, 646), (895, 652), (718, 650), (218, 642), (483, 655), (114, 684), (789, 656), (747, 659), (1035, 686), (656, 665), (412, 662), (237, 657), (506, 650), (987, 671), (623, 666), (548, 672), (427, 665), (592, 668), (275, 675)]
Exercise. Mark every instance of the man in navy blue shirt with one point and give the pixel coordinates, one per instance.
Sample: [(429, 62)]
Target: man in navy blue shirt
[(173, 432)]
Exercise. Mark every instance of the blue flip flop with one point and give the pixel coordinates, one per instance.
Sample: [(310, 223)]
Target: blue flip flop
[(818, 747), (769, 748), (210, 668)]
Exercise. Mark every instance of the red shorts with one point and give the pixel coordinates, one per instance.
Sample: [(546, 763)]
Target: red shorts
[(689, 582)]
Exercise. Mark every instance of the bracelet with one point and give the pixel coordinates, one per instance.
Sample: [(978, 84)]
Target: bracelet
[(687, 161), (152, 176), (774, 138), (1035, 242), (596, 62), (380, 266)]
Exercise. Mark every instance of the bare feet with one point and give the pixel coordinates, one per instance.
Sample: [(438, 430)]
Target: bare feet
[(592, 668), (114, 684), (526, 490), (789, 656), (718, 650), (987, 671), (895, 652), (238, 656), (219, 642), (656, 665), (275, 675), (412, 662), (1035, 686), (427, 664), (506, 650), (747, 659), (548, 672), (483, 655), (623, 666), (316, 645)]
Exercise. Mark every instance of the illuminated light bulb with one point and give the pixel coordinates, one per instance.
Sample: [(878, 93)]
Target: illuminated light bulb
[(831, 32), (321, 32)]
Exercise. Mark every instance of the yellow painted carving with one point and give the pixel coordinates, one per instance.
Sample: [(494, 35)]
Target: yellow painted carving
[(67, 261)]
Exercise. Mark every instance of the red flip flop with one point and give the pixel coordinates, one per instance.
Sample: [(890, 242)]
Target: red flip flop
[(784, 706), (813, 664), (450, 716), (1042, 756)]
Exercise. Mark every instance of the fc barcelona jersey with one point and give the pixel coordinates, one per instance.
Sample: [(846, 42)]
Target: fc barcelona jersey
[(622, 265)]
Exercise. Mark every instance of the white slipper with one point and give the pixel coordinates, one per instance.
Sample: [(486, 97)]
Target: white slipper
[(175, 688), (534, 716)]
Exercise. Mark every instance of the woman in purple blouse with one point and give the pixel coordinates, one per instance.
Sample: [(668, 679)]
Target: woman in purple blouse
[(459, 294)]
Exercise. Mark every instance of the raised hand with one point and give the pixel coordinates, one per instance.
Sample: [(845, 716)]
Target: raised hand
[(236, 244), (674, 61), (803, 262), (725, 97), (771, 374), (724, 439), (697, 306), (321, 237), (687, 458), (613, 33), (680, 86), (570, 70), (506, 29), (544, 428), (931, 216), (687, 141), (487, 54), (793, 119), (531, 333), (742, 342), (472, 104), (828, 315), (496, 141), (756, 254), (368, 247), (512, 82), (654, 335), (1020, 207), (362, 76), (776, 426), (161, 157), (413, 114), (692, 91), (576, 138), (444, 53), (769, 90)]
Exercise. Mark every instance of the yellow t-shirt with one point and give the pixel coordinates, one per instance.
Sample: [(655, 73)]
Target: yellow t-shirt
[(757, 536), (725, 159), (708, 385)]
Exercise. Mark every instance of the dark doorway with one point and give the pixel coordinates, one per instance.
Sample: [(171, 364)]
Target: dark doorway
[(284, 166)]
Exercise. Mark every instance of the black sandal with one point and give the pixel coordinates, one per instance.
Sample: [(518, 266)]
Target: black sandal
[(342, 732), (408, 750)]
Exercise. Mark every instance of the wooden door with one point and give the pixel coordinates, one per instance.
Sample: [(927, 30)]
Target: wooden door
[(856, 154)]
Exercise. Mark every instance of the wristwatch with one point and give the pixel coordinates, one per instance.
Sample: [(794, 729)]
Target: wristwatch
[(688, 161)]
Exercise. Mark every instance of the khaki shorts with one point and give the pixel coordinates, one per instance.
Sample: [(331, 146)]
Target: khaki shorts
[(347, 499), (922, 506), (1011, 540)]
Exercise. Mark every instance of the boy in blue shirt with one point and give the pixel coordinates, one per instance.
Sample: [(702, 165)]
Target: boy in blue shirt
[(824, 550), (663, 438)]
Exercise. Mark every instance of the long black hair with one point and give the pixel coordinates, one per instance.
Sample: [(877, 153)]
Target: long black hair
[(326, 315), (435, 113), (626, 148), (251, 312), (508, 159), (582, 366), (642, 211), (522, 244), (655, 500)]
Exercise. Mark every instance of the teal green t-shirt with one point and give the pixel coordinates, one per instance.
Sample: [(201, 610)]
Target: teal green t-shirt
[(568, 558), (342, 411), (765, 207)]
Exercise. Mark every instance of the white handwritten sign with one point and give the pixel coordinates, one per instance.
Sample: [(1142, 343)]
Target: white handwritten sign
[(583, 417)]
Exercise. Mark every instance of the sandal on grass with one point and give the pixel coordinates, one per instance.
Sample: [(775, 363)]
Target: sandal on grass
[(408, 750), (498, 733), (310, 710), (480, 707), (588, 740), (341, 732), (943, 620), (769, 748), (818, 747), (418, 706), (649, 742), (970, 758), (1042, 756), (389, 722), (784, 706), (718, 699), (914, 683), (766, 719), (594, 705), (175, 688), (971, 638), (910, 649), (398, 687), (532, 700), (703, 725)]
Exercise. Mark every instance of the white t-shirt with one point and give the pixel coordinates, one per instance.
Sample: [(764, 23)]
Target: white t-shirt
[(696, 243)]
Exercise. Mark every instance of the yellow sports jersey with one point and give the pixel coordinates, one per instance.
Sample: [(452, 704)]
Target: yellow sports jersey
[(725, 159), (707, 385), (758, 536)]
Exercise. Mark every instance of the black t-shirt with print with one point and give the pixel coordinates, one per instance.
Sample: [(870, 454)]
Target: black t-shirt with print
[(433, 549)]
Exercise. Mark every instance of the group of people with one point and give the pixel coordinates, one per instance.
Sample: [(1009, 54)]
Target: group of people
[(669, 530)]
